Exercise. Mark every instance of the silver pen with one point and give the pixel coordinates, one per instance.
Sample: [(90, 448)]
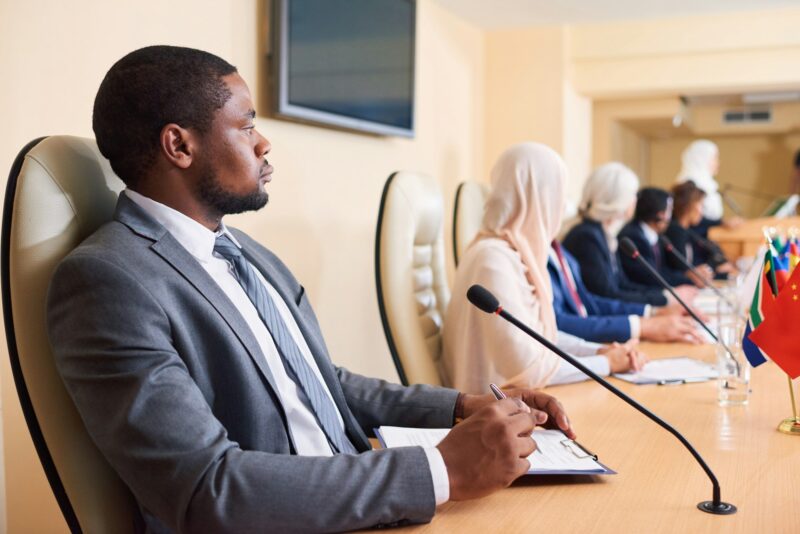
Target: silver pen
[(499, 395)]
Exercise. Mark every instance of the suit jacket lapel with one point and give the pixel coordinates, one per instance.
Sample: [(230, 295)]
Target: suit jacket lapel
[(166, 246)]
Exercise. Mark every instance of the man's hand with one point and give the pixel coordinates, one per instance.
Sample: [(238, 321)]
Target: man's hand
[(546, 411), (488, 450), (673, 308), (687, 293), (706, 273), (670, 328)]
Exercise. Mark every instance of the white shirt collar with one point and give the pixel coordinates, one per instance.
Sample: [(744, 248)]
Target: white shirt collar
[(649, 234), (193, 236)]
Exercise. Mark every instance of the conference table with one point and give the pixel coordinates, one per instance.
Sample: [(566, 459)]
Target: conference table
[(744, 240), (658, 484)]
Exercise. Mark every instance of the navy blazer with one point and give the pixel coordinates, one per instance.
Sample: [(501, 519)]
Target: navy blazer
[(607, 319), (637, 272), (587, 242)]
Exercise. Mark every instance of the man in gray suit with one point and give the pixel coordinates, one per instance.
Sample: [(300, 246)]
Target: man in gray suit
[(195, 359)]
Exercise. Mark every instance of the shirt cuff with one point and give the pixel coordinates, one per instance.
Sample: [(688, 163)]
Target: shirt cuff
[(441, 480), (636, 326), (648, 311)]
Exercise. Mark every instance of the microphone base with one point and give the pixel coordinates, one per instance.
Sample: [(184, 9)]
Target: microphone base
[(722, 508)]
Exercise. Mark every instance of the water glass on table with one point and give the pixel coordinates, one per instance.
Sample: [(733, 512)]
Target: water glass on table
[(733, 383)]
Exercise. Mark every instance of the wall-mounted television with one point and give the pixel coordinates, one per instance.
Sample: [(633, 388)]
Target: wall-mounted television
[(346, 63)]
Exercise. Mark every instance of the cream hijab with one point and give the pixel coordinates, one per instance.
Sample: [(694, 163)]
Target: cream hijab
[(696, 163), (607, 194), (524, 209)]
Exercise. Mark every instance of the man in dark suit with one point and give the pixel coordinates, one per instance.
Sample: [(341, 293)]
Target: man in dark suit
[(650, 220), (196, 361), (581, 313)]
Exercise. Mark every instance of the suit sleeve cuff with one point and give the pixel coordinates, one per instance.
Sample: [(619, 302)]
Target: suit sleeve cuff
[(441, 481), (636, 326)]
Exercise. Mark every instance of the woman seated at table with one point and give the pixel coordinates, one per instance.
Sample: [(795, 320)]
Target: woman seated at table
[(509, 258), (687, 211), (608, 201), (650, 220)]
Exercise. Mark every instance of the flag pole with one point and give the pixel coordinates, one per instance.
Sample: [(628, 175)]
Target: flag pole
[(791, 425)]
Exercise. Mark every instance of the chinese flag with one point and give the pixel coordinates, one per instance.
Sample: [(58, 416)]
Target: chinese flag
[(777, 335)]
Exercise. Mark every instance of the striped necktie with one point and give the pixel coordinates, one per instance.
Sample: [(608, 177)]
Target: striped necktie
[(298, 368)]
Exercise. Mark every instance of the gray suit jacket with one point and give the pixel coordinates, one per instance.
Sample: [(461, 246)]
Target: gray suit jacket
[(173, 388)]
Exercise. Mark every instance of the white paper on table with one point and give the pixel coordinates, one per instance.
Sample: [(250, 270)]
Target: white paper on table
[(706, 302), (672, 370), (550, 457)]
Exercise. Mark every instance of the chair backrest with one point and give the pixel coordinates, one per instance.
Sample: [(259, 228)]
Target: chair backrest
[(467, 215), (410, 274), (59, 191)]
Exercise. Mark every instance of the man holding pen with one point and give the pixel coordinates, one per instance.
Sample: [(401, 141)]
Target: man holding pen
[(196, 361)]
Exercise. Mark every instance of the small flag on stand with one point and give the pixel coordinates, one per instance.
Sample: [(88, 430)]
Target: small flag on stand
[(763, 299), (794, 254), (777, 334)]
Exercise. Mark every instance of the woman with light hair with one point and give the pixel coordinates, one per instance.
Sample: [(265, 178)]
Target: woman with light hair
[(509, 257), (700, 164), (607, 203)]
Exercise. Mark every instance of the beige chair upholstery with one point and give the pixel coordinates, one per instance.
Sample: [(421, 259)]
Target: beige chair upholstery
[(467, 215), (60, 190), (410, 274)]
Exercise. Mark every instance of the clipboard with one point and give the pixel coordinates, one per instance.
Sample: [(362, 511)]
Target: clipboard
[(552, 442)]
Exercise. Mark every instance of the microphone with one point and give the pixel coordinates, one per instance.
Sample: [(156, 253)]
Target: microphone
[(732, 204), (627, 247), (484, 300), (715, 253), (683, 261)]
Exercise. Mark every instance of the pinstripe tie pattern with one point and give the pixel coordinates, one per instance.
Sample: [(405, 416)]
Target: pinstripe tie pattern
[(301, 373)]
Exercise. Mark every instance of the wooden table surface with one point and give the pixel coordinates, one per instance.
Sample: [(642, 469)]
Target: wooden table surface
[(658, 484), (745, 239)]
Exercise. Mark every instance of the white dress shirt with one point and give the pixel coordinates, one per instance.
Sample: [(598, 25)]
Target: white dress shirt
[(308, 437)]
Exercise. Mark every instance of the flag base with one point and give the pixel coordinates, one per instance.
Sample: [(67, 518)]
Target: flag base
[(790, 426)]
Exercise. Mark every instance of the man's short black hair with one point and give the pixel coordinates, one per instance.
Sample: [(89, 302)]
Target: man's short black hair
[(148, 89), (650, 201)]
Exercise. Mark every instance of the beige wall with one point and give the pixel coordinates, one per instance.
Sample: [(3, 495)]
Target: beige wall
[(697, 54), (761, 163), (478, 92), (530, 97), (327, 183)]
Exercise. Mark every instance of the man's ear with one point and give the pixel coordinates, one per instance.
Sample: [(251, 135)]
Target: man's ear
[(178, 145)]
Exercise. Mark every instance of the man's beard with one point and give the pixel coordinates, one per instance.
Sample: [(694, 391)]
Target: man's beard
[(226, 203)]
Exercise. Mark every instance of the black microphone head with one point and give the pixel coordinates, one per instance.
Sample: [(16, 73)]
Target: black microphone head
[(482, 298), (667, 242), (628, 248)]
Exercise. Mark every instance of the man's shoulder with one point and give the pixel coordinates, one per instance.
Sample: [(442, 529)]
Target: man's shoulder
[(631, 229), (113, 242), (581, 234)]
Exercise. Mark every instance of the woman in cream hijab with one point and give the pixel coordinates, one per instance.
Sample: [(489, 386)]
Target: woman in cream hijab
[(700, 163), (509, 257)]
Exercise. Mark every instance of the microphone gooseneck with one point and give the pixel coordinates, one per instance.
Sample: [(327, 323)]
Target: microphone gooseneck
[(627, 246), (487, 302), (683, 261)]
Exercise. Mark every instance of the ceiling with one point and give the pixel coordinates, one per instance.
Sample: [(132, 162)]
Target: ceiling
[(498, 14)]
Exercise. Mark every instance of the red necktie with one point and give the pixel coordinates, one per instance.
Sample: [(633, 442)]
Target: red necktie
[(576, 298)]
